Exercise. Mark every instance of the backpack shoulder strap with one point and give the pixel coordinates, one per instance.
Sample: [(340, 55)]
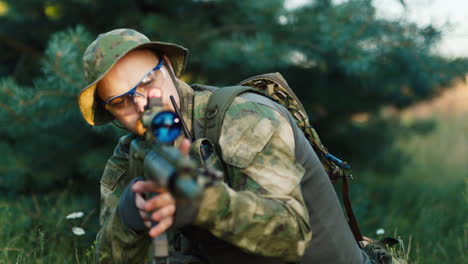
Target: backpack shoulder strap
[(217, 106), (222, 98)]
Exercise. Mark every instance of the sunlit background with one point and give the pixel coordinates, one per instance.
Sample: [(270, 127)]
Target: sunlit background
[(450, 15)]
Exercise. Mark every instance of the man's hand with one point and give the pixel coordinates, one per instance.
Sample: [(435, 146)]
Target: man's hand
[(162, 206)]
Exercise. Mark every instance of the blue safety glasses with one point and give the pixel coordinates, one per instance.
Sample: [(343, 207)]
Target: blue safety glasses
[(120, 102)]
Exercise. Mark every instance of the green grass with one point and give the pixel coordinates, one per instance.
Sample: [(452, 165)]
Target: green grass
[(425, 205), (34, 229)]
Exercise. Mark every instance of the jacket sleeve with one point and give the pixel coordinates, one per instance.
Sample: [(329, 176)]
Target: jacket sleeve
[(262, 211), (115, 242)]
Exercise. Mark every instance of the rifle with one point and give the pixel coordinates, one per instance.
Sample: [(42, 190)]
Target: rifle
[(154, 158)]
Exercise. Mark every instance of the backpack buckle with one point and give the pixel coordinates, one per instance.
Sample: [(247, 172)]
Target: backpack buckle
[(342, 164)]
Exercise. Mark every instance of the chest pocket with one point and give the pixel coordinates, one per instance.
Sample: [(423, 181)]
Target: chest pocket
[(242, 140), (109, 181), (112, 175)]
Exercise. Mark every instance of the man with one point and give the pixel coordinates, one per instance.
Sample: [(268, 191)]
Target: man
[(257, 216)]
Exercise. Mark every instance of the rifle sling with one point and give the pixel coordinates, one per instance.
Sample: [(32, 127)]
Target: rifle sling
[(349, 210)]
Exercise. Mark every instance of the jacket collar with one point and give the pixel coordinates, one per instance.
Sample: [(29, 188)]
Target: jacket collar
[(186, 95)]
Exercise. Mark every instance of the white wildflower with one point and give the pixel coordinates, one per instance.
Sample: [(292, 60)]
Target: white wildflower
[(75, 215), (380, 231), (283, 20), (78, 231)]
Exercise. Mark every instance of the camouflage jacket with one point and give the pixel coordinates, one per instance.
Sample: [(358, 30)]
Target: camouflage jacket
[(261, 212)]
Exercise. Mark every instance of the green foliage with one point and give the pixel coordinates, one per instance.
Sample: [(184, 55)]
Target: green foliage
[(39, 232), (426, 203), (47, 143), (342, 61)]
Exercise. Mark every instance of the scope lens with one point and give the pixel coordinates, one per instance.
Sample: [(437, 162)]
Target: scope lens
[(166, 126)]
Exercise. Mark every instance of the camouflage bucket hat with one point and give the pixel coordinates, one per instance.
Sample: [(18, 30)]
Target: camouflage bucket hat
[(102, 54)]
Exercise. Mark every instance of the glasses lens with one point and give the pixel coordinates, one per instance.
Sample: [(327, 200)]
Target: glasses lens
[(153, 79), (166, 126), (120, 103)]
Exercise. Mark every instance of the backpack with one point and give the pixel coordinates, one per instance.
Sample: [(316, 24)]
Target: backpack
[(275, 87)]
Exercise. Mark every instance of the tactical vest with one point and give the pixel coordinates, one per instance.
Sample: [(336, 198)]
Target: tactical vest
[(332, 240)]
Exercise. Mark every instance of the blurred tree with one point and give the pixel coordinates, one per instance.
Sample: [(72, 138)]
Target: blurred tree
[(44, 142), (344, 62)]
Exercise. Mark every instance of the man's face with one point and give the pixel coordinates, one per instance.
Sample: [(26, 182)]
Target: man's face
[(125, 75)]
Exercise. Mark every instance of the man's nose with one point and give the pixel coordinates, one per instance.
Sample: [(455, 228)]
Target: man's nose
[(140, 103)]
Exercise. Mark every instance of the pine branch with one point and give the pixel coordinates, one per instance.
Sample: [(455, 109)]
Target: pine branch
[(41, 94), (60, 73), (359, 32), (305, 43), (68, 107), (212, 34), (17, 116)]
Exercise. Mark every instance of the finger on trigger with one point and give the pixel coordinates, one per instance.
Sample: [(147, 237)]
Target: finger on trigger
[(144, 186), (147, 187)]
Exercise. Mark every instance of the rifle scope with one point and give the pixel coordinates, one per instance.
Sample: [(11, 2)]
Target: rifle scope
[(166, 126)]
